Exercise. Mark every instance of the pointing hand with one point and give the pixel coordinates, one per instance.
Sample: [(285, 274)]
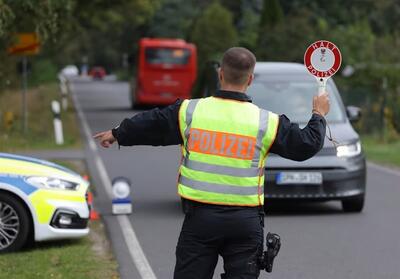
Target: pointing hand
[(106, 138)]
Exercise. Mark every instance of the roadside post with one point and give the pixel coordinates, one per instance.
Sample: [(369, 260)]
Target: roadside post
[(322, 59), (26, 44), (58, 130), (63, 91), (121, 202)]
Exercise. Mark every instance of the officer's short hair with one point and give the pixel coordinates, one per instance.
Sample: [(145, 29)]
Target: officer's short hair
[(237, 64)]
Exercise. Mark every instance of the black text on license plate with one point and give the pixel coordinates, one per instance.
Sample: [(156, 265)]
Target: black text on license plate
[(299, 178)]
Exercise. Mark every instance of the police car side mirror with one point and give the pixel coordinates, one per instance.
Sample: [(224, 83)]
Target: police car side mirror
[(353, 113)]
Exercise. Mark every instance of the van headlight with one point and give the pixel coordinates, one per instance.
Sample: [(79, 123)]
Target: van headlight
[(52, 183), (348, 150)]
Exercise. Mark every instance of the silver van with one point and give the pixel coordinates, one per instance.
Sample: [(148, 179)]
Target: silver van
[(338, 171)]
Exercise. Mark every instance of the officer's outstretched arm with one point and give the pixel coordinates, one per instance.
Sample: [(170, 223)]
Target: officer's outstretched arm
[(152, 127), (301, 144)]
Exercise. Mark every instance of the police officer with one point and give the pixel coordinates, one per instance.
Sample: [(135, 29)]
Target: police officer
[(225, 140)]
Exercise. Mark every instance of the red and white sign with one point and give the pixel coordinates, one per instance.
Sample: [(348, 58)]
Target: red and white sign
[(25, 44), (322, 59)]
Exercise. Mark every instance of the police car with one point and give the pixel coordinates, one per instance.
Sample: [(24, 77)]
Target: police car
[(40, 200)]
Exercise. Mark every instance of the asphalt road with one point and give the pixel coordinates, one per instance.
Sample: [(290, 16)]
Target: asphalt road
[(319, 240)]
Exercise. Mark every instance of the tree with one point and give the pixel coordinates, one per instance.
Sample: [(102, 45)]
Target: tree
[(271, 14), (99, 29), (104, 30), (43, 17), (247, 21), (173, 19), (282, 42), (248, 29), (213, 32), (235, 7), (46, 18)]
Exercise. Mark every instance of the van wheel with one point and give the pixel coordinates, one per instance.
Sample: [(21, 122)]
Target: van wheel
[(14, 224), (355, 204)]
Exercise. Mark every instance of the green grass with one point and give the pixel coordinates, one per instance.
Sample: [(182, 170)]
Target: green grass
[(380, 152), (82, 258), (40, 133)]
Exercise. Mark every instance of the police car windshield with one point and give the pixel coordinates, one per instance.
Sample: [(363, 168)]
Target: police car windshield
[(292, 96)]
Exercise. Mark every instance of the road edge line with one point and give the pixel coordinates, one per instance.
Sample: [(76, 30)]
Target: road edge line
[(135, 249), (384, 169)]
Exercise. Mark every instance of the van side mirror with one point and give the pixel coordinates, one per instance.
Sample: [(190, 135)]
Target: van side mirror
[(353, 113)]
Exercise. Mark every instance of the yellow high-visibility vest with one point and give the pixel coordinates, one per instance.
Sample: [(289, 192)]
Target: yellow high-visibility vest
[(225, 144)]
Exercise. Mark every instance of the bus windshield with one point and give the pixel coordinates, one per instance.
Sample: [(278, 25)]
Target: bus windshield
[(171, 56)]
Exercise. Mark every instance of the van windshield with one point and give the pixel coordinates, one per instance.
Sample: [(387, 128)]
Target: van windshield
[(170, 56), (292, 96)]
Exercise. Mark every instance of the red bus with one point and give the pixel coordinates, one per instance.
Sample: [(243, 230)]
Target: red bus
[(166, 71)]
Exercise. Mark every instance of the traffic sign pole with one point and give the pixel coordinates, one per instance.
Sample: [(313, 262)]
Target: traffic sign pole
[(24, 91)]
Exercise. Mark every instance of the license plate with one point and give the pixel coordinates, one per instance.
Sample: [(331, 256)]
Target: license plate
[(299, 178), (166, 95)]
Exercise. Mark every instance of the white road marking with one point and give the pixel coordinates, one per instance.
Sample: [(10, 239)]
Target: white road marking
[(131, 240), (384, 169)]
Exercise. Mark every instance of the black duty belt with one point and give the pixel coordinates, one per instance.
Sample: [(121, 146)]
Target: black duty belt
[(189, 205)]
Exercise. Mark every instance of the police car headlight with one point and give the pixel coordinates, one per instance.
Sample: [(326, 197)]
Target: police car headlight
[(52, 183), (348, 150)]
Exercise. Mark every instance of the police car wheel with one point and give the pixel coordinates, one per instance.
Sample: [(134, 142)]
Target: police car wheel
[(14, 224), (354, 204)]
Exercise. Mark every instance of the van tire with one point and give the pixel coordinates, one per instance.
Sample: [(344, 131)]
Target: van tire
[(354, 204)]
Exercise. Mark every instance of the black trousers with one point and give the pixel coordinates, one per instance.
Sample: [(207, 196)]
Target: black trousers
[(235, 233)]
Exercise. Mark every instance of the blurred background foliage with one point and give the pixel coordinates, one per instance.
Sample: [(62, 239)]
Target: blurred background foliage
[(102, 32)]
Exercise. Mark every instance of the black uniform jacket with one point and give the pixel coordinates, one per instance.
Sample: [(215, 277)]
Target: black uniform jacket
[(160, 127)]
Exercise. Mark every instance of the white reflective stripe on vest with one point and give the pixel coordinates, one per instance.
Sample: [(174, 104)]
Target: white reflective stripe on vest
[(224, 170), (189, 115), (220, 188), (262, 129)]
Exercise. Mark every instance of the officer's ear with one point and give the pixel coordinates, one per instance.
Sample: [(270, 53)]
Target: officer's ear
[(220, 74), (251, 78)]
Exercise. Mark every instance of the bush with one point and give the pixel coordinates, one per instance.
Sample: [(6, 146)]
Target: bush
[(43, 71)]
